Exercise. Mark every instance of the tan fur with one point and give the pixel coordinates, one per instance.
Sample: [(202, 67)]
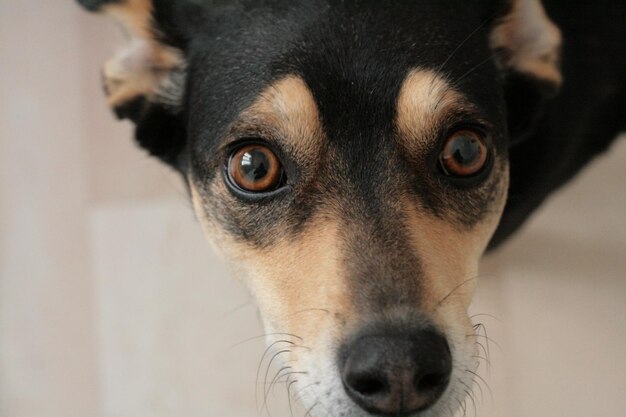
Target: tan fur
[(424, 100), (296, 280), (288, 108), (532, 40), (449, 255)]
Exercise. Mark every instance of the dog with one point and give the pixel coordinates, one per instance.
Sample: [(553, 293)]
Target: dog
[(354, 160)]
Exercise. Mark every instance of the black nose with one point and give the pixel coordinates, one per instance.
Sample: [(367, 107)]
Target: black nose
[(396, 373)]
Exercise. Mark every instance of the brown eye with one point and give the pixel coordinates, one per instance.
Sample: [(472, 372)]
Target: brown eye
[(464, 154), (255, 168)]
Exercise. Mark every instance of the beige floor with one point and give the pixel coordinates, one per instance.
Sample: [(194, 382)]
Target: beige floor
[(112, 305)]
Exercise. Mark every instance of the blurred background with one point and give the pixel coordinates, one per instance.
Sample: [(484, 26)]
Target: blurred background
[(113, 305)]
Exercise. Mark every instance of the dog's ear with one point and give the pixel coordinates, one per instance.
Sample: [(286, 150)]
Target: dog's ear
[(527, 46), (145, 81)]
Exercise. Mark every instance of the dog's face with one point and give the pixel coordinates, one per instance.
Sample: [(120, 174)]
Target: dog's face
[(350, 160)]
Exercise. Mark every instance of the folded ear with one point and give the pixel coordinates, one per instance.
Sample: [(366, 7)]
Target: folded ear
[(145, 81), (528, 45)]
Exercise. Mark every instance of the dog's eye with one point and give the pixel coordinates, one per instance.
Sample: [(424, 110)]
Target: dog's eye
[(465, 154), (255, 168)]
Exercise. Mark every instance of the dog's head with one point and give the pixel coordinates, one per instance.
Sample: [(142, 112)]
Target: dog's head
[(350, 159)]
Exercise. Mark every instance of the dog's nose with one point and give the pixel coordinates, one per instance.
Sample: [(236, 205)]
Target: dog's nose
[(396, 374)]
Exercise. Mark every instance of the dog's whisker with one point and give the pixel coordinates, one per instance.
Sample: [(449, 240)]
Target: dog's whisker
[(269, 365), (268, 390), (258, 371), (469, 395), (463, 407), (289, 398), (489, 340), (453, 290), (283, 378), (485, 351), (463, 42), (247, 303), (483, 359), (477, 329), (308, 411), (299, 394), (469, 72), (261, 336), (278, 375), (481, 379), (298, 346), (288, 375), (316, 403), (268, 385), (482, 396), (322, 310), (283, 372), (488, 349), (486, 315)]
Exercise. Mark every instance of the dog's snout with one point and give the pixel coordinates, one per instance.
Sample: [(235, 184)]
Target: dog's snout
[(396, 373)]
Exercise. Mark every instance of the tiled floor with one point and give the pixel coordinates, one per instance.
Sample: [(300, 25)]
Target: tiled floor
[(112, 304)]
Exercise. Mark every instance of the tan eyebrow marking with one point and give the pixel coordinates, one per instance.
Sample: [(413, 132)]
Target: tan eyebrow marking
[(288, 107), (424, 99)]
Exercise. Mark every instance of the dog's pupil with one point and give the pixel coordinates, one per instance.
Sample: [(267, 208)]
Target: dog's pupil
[(465, 150), (255, 165)]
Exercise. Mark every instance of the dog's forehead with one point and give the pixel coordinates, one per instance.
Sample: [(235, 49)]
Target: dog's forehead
[(353, 56)]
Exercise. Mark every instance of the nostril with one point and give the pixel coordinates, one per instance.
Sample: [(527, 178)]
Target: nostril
[(430, 382), (367, 385)]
